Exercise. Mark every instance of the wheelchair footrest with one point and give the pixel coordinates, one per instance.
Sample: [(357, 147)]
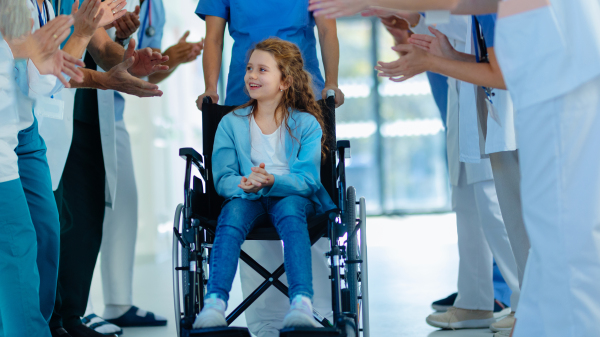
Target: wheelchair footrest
[(218, 332), (310, 332)]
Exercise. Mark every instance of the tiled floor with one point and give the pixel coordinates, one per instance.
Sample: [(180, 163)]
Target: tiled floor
[(412, 260)]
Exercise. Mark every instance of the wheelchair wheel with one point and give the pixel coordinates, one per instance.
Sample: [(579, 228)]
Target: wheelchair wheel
[(352, 253), (175, 265)]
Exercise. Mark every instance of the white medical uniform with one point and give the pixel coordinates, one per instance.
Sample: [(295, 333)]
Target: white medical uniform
[(53, 108), (15, 109), (481, 230), (549, 57)]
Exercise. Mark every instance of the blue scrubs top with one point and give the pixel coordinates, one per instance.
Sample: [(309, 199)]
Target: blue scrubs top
[(145, 41), (250, 22), (488, 28)]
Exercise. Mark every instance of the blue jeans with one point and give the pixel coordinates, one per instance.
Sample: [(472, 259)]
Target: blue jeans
[(289, 216)]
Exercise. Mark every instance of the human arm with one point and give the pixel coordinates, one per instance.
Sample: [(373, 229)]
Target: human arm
[(330, 52), (438, 44), (42, 48), (225, 164), (182, 52), (107, 54), (338, 8), (126, 26), (211, 60), (119, 79), (417, 60)]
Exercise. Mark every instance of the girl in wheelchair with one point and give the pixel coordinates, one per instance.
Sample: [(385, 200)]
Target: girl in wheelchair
[(266, 163)]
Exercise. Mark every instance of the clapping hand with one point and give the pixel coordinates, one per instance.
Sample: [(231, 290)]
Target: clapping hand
[(183, 51), (438, 45), (113, 10), (47, 57), (257, 180), (146, 61), (128, 24), (414, 61)]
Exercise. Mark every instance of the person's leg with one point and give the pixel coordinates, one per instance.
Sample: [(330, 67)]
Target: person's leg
[(475, 284), (289, 216), (83, 184), (20, 313), (37, 185), (507, 178), (474, 305), (236, 220), (120, 232), (560, 188), (265, 316), (496, 236)]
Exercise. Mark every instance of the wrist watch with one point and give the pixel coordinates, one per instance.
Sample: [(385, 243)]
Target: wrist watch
[(123, 42)]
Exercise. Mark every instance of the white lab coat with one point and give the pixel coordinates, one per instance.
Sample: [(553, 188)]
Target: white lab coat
[(549, 57), (481, 230), (53, 109), (12, 104), (106, 112), (461, 102)]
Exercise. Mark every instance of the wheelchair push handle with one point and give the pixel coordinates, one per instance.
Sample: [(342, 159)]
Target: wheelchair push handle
[(207, 100), (330, 93)]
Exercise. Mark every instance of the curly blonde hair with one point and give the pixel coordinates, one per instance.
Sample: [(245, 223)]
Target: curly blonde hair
[(299, 95)]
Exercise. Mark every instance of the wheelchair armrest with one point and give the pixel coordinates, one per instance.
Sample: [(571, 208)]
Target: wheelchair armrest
[(197, 159), (343, 144)]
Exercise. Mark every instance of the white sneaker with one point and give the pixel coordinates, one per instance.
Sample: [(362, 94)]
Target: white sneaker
[(457, 318), (212, 314), (502, 334), (505, 324), (300, 314)]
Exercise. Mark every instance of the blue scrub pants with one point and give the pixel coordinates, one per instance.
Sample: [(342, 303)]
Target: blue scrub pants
[(37, 185), (20, 313), (29, 242)]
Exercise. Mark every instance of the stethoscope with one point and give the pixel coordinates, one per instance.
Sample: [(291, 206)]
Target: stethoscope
[(150, 31)]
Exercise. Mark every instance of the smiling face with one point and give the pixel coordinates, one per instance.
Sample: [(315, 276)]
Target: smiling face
[(263, 77)]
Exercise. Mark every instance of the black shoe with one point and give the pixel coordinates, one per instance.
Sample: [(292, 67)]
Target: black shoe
[(443, 304), (83, 331), (59, 332), (500, 307)]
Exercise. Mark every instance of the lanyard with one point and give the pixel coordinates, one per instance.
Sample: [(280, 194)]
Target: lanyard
[(42, 20)]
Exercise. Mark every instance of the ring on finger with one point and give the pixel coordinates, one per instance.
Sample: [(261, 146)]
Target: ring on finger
[(55, 36)]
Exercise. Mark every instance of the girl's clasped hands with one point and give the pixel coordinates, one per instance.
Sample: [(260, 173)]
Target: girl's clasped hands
[(257, 180)]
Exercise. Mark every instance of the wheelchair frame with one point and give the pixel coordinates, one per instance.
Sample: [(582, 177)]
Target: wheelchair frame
[(348, 259)]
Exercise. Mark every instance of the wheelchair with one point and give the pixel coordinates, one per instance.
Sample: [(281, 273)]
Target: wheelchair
[(196, 220)]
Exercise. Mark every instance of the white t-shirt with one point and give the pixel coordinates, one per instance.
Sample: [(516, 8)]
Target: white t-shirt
[(268, 149)]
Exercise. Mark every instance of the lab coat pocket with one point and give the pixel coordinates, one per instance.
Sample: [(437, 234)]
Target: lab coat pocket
[(524, 39)]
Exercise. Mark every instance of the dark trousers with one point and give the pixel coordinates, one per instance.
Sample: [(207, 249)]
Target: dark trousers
[(80, 199)]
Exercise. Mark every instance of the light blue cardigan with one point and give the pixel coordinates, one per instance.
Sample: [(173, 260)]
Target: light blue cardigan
[(231, 160)]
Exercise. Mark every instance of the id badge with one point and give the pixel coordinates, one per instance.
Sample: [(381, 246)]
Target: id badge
[(49, 108), (492, 111)]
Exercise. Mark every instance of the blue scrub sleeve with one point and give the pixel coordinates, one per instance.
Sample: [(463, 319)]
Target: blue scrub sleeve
[(218, 8), (488, 27)]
